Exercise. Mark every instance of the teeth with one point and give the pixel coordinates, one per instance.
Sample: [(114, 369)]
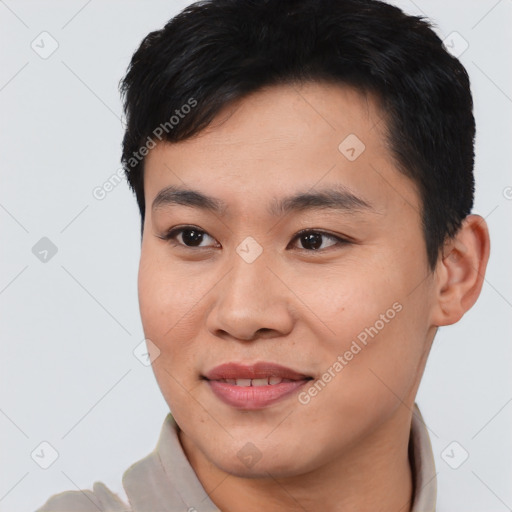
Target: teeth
[(259, 382), (256, 382)]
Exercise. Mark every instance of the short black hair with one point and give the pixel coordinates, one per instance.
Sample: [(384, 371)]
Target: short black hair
[(217, 51)]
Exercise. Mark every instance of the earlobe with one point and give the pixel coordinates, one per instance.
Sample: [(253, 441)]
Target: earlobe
[(460, 271)]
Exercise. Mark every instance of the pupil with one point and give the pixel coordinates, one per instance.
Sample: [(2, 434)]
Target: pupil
[(192, 237), (314, 240)]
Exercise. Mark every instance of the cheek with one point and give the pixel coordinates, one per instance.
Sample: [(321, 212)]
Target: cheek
[(165, 310), (167, 294), (369, 369), (378, 329), (162, 310), (352, 299), (171, 302)]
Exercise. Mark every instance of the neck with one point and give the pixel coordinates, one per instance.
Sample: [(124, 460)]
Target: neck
[(375, 474)]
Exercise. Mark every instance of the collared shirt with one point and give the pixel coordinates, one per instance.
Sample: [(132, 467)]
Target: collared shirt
[(164, 480)]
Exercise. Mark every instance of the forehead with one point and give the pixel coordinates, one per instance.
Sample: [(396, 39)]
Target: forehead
[(285, 138)]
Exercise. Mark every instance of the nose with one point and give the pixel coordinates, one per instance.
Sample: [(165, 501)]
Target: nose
[(251, 302)]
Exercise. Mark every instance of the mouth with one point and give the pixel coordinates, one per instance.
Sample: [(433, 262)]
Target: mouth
[(254, 386)]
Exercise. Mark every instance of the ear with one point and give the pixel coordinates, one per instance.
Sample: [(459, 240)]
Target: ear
[(460, 271)]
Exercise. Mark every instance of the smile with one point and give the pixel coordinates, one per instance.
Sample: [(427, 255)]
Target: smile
[(252, 387), (265, 381)]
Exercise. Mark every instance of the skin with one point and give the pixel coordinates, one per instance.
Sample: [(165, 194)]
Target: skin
[(202, 306)]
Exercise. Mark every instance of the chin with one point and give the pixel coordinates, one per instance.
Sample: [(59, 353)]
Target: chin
[(249, 462), (261, 470)]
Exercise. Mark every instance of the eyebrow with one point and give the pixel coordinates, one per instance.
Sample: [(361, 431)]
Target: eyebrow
[(336, 197)]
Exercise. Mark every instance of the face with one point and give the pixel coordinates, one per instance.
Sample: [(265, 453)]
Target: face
[(288, 292)]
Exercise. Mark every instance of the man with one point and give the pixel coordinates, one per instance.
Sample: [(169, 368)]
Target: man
[(304, 172)]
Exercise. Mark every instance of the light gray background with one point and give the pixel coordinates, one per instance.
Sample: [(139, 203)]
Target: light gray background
[(70, 325)]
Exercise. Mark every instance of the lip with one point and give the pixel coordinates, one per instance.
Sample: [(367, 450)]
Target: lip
[(257, 370), (253, 397)]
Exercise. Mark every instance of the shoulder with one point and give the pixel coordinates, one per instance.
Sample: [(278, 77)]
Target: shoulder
[(146, 482), (100, 499)]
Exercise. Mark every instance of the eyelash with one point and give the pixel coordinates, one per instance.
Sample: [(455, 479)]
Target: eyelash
[(172, 233)]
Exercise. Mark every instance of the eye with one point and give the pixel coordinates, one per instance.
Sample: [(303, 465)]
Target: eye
[(192, 236), (189, 236), (314, 240)]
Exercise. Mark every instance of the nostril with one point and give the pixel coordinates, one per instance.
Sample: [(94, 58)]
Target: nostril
[(264, 330)]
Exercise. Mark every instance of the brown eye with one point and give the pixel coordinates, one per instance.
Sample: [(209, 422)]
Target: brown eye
[(318, 240), (192, 237), (189, 236)]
